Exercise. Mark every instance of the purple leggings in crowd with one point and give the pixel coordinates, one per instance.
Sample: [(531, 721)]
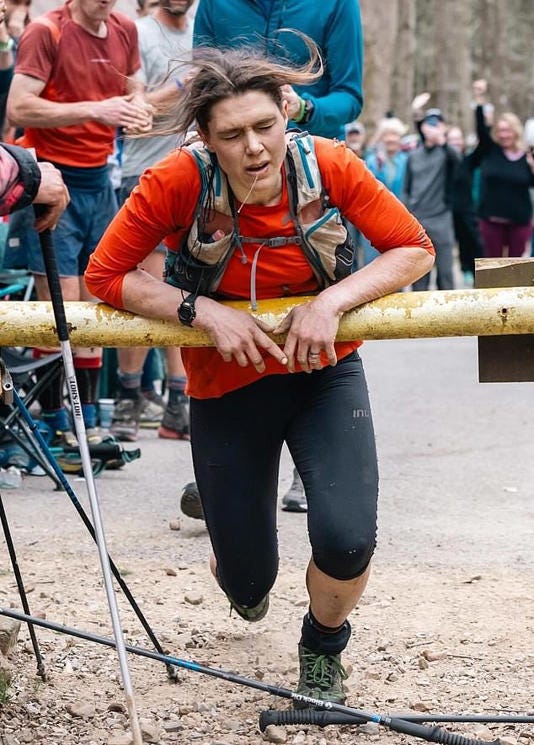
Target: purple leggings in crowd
[(497, 236)]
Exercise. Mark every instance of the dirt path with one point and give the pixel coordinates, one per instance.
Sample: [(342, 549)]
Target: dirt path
[(446, 624)]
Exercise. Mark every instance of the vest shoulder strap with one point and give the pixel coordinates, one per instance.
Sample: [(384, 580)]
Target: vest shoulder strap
[(301, 150)]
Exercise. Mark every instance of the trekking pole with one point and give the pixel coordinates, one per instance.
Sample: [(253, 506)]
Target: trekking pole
[(58, 306), (397, 723), (41, 672), (63, 482)]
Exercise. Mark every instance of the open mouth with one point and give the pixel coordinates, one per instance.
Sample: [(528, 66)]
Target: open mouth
[(257, 169)]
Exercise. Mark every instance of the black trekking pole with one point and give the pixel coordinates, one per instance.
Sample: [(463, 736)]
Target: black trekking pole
[(56, 295), (397, 724), (64, 483), (325, 718), (22, 590)]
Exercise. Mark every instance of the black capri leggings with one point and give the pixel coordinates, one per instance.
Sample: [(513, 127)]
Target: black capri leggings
[(325, 419)]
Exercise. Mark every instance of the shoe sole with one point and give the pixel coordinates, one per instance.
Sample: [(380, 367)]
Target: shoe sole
[(190, 506), (149, 425), (294, 506), (124, 436), (171, 434), (241, 612)]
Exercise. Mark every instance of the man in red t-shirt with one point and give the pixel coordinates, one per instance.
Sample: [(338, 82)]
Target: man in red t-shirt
[(75, 83)]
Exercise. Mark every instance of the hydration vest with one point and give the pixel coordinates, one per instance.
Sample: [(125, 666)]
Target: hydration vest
[(202, 259)]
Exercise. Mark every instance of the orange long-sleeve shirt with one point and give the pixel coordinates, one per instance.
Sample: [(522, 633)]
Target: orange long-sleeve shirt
[(162, 207)]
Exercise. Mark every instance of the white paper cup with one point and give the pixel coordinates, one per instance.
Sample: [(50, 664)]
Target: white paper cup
[(105, 412)]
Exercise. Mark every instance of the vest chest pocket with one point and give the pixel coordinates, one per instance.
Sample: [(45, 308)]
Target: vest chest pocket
[(198, 266), (329, 239)]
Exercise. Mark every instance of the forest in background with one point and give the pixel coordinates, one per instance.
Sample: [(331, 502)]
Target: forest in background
[(441, 46)]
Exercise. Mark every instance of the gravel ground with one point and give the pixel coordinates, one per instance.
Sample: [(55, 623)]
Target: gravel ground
[(445, 626)]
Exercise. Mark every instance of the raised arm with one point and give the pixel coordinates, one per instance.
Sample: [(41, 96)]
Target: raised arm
[(483, 131), (343, 57)]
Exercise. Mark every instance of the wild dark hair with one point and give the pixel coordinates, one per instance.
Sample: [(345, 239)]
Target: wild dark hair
[(218, 74)]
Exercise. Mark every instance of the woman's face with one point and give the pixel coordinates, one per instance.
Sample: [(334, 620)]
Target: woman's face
[(455, 139), (391, 142), (247, 133), (505, 135)]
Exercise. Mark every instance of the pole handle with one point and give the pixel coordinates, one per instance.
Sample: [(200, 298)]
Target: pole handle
[(54, 284), (314, 717), (431, 734)]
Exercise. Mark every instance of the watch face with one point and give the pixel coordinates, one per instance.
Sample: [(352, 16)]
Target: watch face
[(187, 312)]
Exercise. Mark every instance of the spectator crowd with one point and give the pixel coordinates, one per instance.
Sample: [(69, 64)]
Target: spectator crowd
[(83, 86)]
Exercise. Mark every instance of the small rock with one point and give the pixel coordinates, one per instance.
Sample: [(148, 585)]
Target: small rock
[(172, 726), (149, 730), (433, 656), (117, 706), (483, 733), (470, 581), (194, 598), (275, 734), (123, 738), (422, 663), (421, 706), (81, 710), (175, 525), (373, 675), (9, 629), (507, 740), (369, 728), (170, 572)]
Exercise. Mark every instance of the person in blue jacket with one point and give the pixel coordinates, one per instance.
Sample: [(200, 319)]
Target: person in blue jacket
[(334, 25), (322, 109)]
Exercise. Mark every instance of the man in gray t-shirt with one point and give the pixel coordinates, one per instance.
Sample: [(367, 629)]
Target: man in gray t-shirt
[(165, 43), (427, 194)]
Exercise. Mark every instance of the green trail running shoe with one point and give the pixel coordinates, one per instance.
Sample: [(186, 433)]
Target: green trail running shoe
[(321, 676), (251, 614)]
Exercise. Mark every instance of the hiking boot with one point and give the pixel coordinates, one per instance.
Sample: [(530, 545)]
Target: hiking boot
[(256, 613), (175, 422), (250, 614), (125, 422), (95, 435), (66, 439), (190, 503), (294, 500), (321, 676), (151, 410)]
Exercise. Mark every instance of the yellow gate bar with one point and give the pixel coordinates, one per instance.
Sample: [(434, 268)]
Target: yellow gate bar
[(404, 315)]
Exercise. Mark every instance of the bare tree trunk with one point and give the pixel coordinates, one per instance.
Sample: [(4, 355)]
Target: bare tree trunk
[(453, 60), (380, 23), (403, 82)]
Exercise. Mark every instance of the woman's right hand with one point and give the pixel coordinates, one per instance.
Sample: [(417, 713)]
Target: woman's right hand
[(236, 334)]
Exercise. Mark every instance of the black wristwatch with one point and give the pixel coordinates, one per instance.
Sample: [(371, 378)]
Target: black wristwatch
[(186, 310)]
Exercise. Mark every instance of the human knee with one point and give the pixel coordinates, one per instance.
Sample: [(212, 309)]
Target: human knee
[(345, 561), (247, 591)]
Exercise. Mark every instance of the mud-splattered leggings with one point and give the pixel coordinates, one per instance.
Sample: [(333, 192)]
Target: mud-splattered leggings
[(325, 419)]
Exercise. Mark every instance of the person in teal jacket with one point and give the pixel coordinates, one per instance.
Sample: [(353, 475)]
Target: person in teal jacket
[(334, 25)]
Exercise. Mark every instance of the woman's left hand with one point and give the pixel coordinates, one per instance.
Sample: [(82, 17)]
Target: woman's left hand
[(311, 330)]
